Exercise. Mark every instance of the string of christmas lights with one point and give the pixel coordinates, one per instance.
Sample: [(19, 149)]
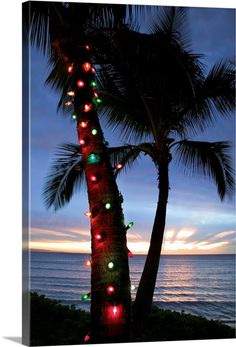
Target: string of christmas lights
[(85, 90)]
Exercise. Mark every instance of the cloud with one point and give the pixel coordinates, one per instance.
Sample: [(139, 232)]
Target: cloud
[(66, 233), (185, 233), (79, 232), (133, 236), (224, 234), (182, 233), (182, 242), (37, 232), (177, 245), (61, 246), (207, 246), (169, 234), (140, 247)]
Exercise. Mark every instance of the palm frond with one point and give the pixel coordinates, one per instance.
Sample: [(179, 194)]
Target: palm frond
[(219, 87), (39, 25), (148, 80), (65, 177), (211, 159), (214, 97), (59, 80), (172, 21), (123, 106)]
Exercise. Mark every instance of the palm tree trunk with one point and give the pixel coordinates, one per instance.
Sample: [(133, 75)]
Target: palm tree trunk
[(143, 301), (110, 283), (110, 310)]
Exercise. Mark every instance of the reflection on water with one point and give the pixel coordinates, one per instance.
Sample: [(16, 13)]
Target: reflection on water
[(195, 278)]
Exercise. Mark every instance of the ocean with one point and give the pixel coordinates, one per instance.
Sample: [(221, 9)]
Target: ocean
[(202, 285)]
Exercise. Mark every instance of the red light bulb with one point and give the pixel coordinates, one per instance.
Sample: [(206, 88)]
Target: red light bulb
[(87, 263), (98, 237), (80, 84), (93, 178), (82, 142), (86, 67), (88, 47), (130, 254), (87, 214), (119, 166), (115, 310), (110, 290), (86, 338), (93, 70)]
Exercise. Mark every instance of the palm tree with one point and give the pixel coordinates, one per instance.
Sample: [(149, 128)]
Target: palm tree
[(66, 33), (157, 93)]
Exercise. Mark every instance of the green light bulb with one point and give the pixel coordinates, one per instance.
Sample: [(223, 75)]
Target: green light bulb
[(107, 206), (98, 101), (130, 225), (94, 132), (93, 84), (93, 158), (133, 287), (111, 265), (85, 296), (74, 117)]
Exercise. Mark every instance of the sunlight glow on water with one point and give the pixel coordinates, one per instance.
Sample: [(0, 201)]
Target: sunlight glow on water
[(202, 285)]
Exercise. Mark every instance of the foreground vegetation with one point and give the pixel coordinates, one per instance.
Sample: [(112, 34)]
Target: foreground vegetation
[(56, 324)]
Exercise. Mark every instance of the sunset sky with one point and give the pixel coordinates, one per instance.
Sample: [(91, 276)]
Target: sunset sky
[(197, 221)]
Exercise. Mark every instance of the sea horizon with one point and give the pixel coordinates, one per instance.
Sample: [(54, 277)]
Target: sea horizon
[(135, 254), (202, 284)]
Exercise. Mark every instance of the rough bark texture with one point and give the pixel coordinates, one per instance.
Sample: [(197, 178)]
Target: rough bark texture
[(143, 301)]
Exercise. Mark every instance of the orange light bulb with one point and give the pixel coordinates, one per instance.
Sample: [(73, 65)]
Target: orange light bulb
[(84, 124), (68, 103), (86, 67), (87, 107), (70, 68), (71, 93)]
